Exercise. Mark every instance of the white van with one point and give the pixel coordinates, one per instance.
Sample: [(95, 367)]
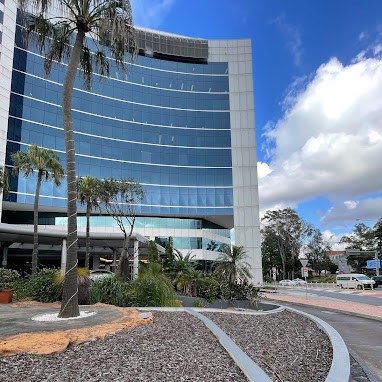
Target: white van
[(354, 280)]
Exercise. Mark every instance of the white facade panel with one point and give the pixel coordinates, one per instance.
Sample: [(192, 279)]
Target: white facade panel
[(6, 60), (244, 163)]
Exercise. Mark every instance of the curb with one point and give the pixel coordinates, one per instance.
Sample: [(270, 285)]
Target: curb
[(251, 370), (340, 368), (370, 375)]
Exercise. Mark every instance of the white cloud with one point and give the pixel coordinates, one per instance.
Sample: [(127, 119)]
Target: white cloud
[(293, 37), (263, 169), (150, 13), (329, 141), (333, 240), (377, 49), (363, 36), (350, 204), (365, 210)]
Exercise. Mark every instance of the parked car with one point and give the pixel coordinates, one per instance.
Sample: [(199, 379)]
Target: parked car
[(98, 274), (285, 282), (299, 282), (378, 281)]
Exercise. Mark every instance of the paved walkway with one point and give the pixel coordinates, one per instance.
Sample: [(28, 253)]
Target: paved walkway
[(330, 303)]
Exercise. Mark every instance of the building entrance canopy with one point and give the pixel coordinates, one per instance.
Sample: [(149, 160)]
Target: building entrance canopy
[(14, 233)]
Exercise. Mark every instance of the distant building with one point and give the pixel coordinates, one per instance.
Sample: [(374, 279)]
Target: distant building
[(340, 259)]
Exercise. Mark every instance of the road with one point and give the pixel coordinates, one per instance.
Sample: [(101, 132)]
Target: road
[(364, 297), (363, 336)]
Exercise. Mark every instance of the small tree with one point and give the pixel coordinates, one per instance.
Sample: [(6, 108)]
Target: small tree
[(88, 194), (181, 271), (231, 264), (290, 232), (120, 198), (317, 251), (46, 164)]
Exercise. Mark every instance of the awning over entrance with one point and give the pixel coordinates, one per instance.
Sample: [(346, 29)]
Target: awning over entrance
[(14, 233)]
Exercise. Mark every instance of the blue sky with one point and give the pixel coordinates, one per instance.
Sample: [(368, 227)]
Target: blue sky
[(318, 97)]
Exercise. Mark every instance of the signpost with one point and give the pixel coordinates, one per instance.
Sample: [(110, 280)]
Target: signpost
[(305, 274), (274, 273)]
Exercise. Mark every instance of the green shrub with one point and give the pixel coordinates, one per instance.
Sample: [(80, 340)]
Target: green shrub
[(268, 279), (44, 286), (110, 290), (151, 289), (198, 304), (208, 288), (8, 278), (236, 291), (22, 289)]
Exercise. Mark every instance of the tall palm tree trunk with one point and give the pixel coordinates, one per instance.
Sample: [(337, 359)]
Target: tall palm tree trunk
[(87, 254), (123, 269), (69, 305), (35, 225)]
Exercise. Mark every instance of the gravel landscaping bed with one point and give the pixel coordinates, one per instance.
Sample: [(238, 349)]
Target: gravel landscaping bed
[(287, 346), (178, 347)]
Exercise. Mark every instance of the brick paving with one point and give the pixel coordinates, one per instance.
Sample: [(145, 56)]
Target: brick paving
[(354, 308)]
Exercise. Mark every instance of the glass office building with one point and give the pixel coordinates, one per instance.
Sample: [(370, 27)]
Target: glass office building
[(180, 121)]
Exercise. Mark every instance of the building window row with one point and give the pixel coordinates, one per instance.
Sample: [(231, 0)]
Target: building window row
[(135, 75), (25, 106)]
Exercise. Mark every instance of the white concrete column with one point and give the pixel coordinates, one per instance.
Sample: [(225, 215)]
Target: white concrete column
[(96, 261), (5, 257), (63, 255), (136, 259), (9, 8)]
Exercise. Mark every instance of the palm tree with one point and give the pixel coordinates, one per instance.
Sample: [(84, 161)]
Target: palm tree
[(47, 166), (104, 22), (88, 193), (232, 265), (4, 183), (181, 271)]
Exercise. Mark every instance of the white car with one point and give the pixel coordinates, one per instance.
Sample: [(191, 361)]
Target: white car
[(99, 274), (285, 283), (299, 282)]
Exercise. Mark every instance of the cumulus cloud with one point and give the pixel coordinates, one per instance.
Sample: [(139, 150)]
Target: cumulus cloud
[(150, 13), (263, 169), (333, 240), (329, 141)]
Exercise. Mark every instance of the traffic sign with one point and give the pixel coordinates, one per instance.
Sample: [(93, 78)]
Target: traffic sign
[(371, 264), (304, 272), (304, 262)]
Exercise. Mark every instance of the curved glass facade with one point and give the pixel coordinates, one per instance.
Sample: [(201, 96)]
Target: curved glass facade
[(165, 123), (180, 121)]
